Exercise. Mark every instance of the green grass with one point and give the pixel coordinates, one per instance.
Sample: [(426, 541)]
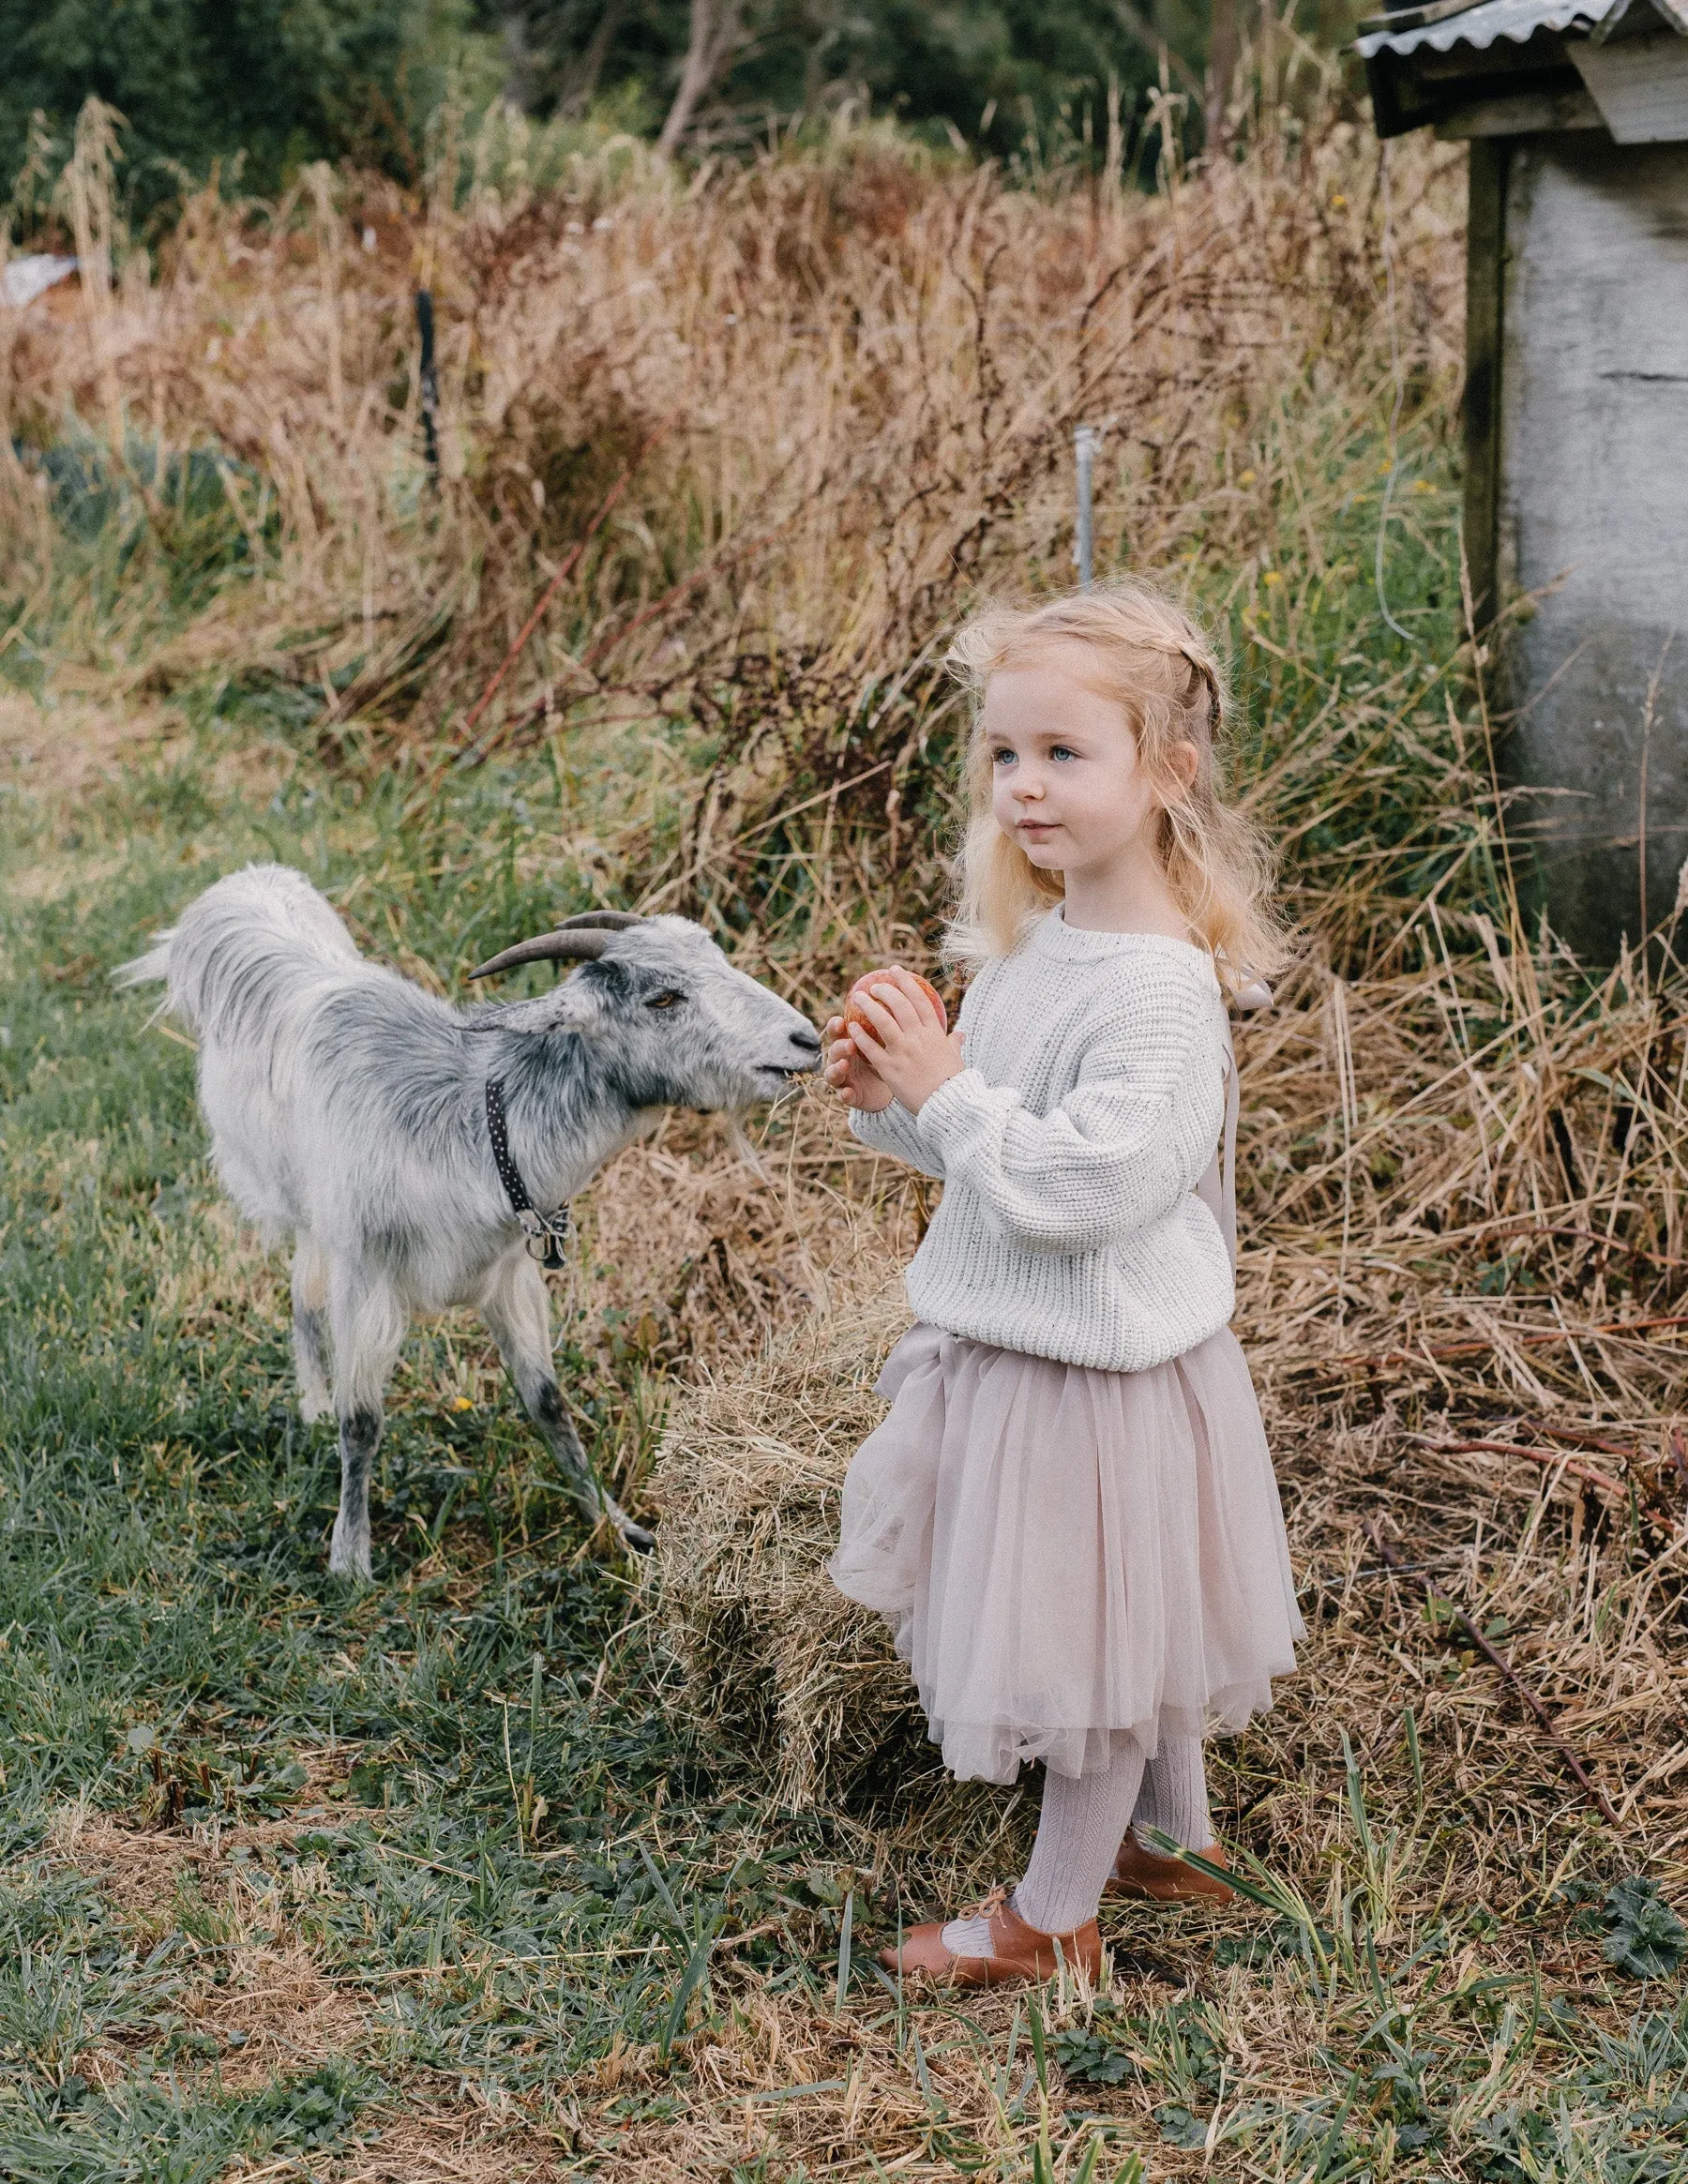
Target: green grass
[(170, 1643), (466, 1795)]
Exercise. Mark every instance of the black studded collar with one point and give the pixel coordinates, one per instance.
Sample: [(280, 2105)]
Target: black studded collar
[(547, 1233)]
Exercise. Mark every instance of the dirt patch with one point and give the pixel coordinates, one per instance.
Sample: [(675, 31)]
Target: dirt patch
[(277, 2014), (259, 1991), (134, 1869), (459, 2147), (52, 759), (137, 1868)]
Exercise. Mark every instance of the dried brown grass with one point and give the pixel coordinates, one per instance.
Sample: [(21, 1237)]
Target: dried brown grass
[(859, 344), (863, 367), (1461, 1168), (1369, 1239), (456, 2143)]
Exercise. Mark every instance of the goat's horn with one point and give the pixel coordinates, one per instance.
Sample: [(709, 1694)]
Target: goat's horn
[(610, 921), (546, 948)]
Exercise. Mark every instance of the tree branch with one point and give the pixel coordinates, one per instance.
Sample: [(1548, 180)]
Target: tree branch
[(1137, 25), (717, 35)]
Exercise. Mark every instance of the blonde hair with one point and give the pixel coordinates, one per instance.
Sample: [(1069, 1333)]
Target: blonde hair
[(1158, 665)]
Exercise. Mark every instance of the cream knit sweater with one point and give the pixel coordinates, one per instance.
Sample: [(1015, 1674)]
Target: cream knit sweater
[(1070, 1150)]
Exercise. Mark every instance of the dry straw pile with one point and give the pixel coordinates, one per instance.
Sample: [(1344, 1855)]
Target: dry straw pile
[(778, 1661)]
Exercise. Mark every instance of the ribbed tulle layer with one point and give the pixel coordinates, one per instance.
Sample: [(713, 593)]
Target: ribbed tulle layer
[(1070, 1559)]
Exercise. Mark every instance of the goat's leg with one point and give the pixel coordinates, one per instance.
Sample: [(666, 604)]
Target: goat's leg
[(519, 1312), (367, 1324), (310, 1328)]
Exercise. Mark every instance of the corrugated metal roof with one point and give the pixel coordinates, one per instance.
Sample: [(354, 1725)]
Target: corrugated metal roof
[(1480, 26)]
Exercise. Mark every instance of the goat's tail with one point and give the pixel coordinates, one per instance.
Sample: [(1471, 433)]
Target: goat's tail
[(162, 965), (239, 949), (149, 969)]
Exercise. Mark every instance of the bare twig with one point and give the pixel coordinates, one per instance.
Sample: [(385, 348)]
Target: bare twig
[(1586, 1782), (1614, 1246), (1580, 1437), (1550, 1458), (1378, 1360)]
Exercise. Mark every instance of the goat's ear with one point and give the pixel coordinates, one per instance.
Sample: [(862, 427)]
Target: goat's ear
[(568, 1005)]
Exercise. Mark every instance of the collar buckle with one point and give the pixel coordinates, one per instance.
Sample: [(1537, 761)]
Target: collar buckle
[(547, 1234), (544, 1234)]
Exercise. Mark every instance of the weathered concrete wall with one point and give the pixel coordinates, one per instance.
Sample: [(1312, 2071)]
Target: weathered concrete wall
[(1593, 489)]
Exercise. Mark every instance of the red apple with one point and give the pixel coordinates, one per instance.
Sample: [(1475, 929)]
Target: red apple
[(853, 1013)]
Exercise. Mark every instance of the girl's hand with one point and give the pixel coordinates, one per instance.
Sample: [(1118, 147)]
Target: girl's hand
[(903, 1043), (850, 1074)]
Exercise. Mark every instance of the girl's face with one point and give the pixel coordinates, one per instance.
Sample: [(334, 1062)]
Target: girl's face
[(1066, 781)]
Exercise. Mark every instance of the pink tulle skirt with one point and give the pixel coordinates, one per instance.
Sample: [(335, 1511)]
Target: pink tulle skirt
[(1070, 1560)]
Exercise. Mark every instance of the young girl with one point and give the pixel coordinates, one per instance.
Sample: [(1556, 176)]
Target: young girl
[(1069, 1516)]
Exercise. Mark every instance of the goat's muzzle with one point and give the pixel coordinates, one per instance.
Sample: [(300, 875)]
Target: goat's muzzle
[(580, 939), (807, 1043)]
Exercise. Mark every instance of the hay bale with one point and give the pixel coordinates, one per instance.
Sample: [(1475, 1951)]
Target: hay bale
[(778, 1664)]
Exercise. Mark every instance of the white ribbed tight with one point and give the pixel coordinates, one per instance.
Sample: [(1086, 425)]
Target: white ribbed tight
[(1174, 1795), (1079, 1832)]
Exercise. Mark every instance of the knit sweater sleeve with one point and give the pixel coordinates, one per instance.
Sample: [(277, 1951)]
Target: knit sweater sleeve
[(1131, 1139), (896, 1132)]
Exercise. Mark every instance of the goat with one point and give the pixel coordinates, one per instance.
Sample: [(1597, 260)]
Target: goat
[(396, 1138)]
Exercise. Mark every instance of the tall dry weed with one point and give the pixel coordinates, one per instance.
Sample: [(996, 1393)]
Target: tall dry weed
[(844, 384)]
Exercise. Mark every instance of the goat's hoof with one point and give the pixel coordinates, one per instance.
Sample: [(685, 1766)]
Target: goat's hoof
[(608, 1511), (350, 1559)]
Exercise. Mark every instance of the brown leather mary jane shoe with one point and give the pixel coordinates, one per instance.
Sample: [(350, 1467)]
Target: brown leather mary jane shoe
[(1019, 1951), (1144, 1874)]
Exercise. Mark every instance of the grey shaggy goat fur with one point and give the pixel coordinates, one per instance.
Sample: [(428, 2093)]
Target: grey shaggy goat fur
[(347, 1110)]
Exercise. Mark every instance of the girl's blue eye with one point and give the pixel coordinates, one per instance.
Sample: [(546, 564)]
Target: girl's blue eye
[(1060, 751), (1002, 758)]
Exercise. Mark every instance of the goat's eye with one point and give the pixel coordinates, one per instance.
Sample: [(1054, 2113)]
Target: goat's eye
[(665, 1000)]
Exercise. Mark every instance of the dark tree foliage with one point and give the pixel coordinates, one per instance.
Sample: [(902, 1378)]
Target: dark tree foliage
[(279, 81), (996, 73), (272, 84)]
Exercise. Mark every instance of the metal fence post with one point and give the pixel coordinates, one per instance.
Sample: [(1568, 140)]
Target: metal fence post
[(1086, 439), (429, 383)]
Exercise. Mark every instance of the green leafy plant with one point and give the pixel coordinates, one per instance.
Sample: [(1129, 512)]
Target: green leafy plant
[(314, 2111), (1405, 2076), (1507, 2145), (1268, 1945), (1179, 2127), (1091, 2056), (1645, 1938)]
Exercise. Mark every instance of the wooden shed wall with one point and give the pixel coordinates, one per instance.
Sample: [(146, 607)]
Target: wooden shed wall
[(1590, 498)]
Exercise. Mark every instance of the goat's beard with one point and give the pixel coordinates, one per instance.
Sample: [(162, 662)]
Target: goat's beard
[(738, 1137)]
